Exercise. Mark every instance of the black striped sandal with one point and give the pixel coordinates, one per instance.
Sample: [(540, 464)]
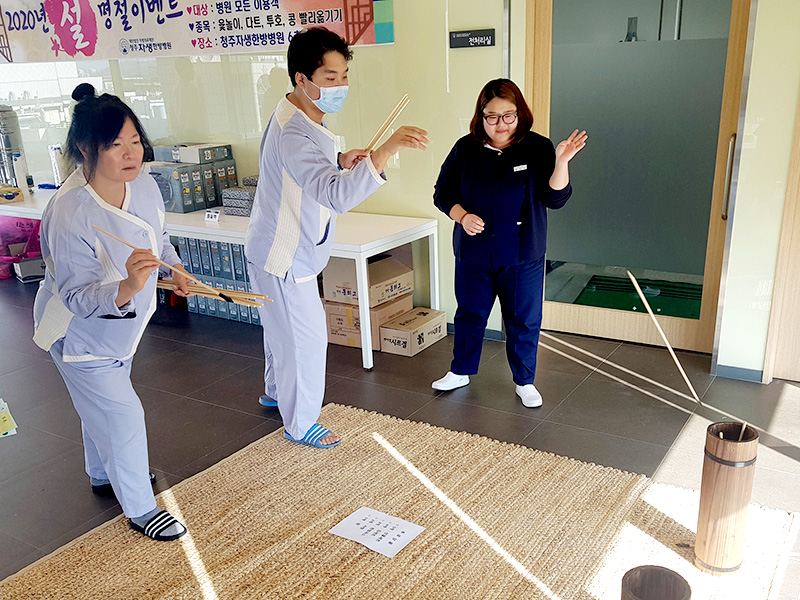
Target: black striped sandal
[(156, 526)]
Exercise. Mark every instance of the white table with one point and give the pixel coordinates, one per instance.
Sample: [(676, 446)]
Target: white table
[(31, 208), (358, 236)]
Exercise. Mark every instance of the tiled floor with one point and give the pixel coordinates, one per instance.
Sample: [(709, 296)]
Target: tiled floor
[(616, 404)]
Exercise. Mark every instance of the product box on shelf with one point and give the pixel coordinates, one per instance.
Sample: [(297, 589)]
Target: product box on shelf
[(176, 185), (205, 257), (234, 310), (197, 188), (238, 262), (388, 279), (227, 175), (183, 252), (238, 201), (222, 305), (244, 311), (413, 331), (225, 260), (220, 176), (211, 303), (193, 153), (344, 323), (194, 256), (210, 191)]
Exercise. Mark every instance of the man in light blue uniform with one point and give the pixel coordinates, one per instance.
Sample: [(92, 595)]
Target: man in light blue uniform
[(304, 182)]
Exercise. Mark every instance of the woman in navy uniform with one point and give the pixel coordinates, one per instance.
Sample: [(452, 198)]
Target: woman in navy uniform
[(497, 184)]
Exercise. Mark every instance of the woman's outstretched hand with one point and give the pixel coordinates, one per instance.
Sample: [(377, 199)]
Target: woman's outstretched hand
[(566, 150)]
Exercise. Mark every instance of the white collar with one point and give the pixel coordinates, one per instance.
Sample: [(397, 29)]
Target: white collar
[(490, 147), (322, 127), (126, 202)]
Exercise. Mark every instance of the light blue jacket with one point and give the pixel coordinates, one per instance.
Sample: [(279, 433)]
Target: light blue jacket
[(300, 191), (76, 300)]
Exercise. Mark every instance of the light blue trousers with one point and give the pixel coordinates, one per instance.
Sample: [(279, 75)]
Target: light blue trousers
[(112, 423), (295, 347)]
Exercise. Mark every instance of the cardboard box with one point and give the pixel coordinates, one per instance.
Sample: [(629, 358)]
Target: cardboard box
[(27, 270), (344, 324), (175, 182), (414, 331), (193, 153), (388, 279)]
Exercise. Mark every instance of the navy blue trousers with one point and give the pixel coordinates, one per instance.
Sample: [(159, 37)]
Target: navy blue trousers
[(520, 290)]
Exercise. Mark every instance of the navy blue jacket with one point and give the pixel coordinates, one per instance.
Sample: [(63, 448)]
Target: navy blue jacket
[(509, 190)]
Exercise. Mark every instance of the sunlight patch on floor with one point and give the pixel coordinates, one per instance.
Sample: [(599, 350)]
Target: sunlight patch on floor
[(189, 548), (467, 520)]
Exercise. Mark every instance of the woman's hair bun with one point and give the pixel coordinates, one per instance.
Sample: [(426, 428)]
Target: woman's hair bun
[(83, 90)]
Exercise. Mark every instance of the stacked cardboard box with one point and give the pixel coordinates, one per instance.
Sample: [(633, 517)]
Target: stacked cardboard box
[(397, 327), (223, 266), (344, 323), (413, 331), (388, 279)]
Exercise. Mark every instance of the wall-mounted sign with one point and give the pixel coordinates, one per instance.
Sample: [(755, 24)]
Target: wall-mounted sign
[(472, 39), (47, 30)]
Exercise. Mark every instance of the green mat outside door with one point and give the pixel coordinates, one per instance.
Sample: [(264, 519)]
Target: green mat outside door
[(670, 298)]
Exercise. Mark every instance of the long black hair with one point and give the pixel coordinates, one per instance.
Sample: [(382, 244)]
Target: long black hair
[(96, 123)]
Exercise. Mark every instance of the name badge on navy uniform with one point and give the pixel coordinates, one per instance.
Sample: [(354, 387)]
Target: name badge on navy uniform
[(520, 168)]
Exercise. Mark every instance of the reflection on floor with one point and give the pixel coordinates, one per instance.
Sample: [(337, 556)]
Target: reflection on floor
[(616, 404), (672, 294)]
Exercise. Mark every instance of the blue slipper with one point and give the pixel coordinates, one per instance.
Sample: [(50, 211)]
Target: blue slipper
[(268, 402), (312, 437)]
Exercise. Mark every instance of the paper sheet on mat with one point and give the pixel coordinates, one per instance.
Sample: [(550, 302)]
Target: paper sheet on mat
[(377, 531), (7, 424)]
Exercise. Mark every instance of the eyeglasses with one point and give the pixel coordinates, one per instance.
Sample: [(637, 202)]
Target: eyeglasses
[(508, 118)]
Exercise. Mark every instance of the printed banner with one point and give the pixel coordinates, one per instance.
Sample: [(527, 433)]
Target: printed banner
[(32, 31)]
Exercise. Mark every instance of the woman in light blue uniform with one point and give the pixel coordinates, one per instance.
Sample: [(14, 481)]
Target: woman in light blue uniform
[(98, 296)]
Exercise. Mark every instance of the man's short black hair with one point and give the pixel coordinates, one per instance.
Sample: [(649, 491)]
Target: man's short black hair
[(308, 49)]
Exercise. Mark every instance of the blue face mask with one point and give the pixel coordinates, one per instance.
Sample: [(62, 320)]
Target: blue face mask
[(331, 99)]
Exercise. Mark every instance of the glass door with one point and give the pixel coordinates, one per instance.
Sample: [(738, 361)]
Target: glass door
[(656, 84)]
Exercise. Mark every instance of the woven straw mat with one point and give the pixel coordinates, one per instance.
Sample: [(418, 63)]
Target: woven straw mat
[(258, 525)]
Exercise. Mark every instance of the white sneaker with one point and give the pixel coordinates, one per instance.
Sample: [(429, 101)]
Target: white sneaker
[(529, 395), (450, 381)]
